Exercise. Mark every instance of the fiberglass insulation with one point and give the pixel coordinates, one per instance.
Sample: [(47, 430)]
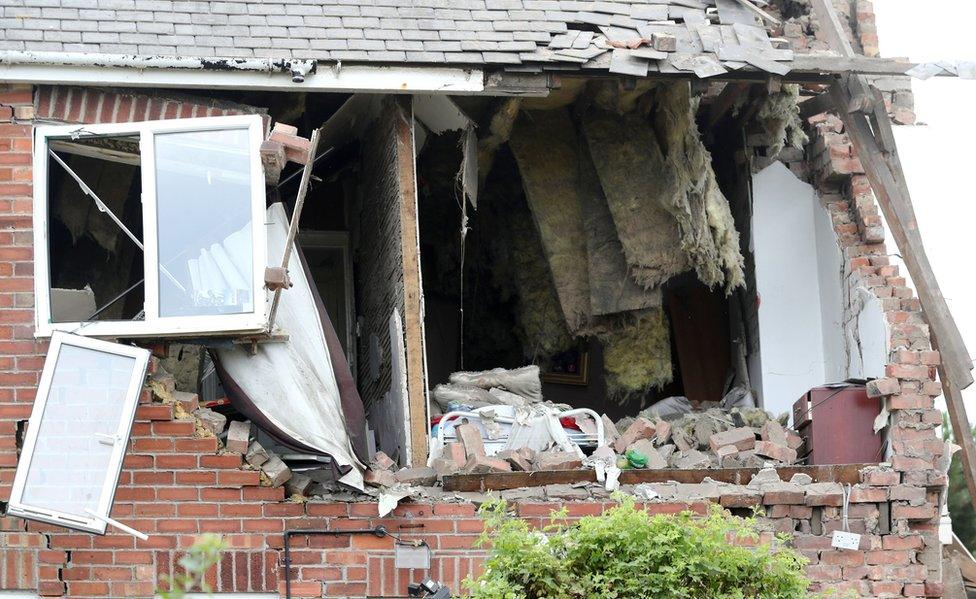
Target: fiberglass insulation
[(618, 210)]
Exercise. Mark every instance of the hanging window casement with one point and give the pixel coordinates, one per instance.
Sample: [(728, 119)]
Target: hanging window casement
[(78, 430), (150, 229)]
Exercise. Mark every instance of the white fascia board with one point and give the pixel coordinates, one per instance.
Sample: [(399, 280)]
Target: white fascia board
[(347, 79)]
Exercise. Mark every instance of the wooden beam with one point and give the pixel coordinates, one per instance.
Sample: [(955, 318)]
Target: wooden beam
[(500, 481), (826, 64), (816, 105), (830, 24), (413, 313), (963, 433), (296, 215)]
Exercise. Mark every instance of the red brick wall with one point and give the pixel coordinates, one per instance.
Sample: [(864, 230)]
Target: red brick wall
[(176, 485), (910, 386)]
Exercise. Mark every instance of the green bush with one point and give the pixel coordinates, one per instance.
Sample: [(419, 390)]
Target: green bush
[(200, 557), (627, 553), (960, 505)]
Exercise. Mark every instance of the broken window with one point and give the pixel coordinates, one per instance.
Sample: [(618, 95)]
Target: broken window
[(153, 228), (72, 455)]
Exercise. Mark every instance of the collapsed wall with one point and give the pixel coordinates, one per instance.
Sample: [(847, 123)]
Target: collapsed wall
[(176, 484)]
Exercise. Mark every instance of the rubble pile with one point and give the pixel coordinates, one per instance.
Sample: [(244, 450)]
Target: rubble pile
[(714, 438)]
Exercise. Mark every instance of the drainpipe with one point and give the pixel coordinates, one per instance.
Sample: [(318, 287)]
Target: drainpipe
[(379, 531), (298, 69)]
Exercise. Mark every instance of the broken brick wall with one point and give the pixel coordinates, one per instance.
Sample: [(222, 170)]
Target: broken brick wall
[(176, 484), (909, 388), (807, 34)]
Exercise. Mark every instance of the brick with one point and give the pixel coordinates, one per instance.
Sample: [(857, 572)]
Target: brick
[(743, 438), (515, 459), (913, 495), (780, 453), (444, 467), (470, 438), (379, 478), (256, 454), (422, 476), (882, 387), (211, 421), (641, 428), (881, 478), (646, 448), (238, 437), (276, 471), (692, 459), (298, 484), (189, 401), (455, 452), (381, 461), (867, 494), (783, 494), (482, 464), (773, 432), (557, 460), (913, 512), (824, 494)]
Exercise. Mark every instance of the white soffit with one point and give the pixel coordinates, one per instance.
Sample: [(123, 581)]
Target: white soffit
[(352, 78)]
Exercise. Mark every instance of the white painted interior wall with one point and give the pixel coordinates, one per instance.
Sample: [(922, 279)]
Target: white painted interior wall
[(800, 286)]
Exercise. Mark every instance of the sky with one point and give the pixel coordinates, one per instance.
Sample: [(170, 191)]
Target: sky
[(938, 154)]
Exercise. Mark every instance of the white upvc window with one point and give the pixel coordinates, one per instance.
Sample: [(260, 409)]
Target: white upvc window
[(177, 207), (79, 427)]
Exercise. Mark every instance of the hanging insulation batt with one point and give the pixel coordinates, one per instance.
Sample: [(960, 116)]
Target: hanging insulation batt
[(545, 148), (637, 184), (708, 234), (779, 118)]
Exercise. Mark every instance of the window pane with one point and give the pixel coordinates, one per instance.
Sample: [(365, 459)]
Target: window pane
[(68, 467), (203, 195), (92, 260)]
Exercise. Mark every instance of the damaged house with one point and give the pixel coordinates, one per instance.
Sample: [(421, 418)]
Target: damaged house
[(319, 278)]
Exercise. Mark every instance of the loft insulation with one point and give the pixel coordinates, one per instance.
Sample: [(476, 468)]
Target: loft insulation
[(708, 234), (637, 185), (612, 289), (542, 328), (666, 204), (547, 153)]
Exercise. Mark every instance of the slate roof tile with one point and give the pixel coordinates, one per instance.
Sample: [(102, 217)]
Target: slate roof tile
[(523, 35)]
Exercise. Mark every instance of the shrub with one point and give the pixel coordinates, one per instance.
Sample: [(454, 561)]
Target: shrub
[(200, 557), (627, 553)]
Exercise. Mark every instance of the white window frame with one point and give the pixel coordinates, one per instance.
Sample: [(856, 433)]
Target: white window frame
[(16, 506), (153, 325)]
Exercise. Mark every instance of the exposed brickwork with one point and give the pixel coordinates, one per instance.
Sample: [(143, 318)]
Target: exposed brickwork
[(910, 384), (176, 485), (84, 105)]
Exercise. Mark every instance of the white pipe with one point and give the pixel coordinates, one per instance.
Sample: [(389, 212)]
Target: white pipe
[(297, 68)]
